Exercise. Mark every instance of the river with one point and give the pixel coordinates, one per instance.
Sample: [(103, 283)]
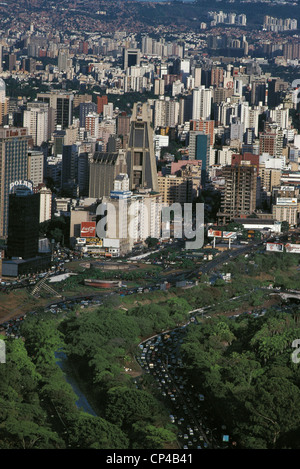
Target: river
[(82, 402)]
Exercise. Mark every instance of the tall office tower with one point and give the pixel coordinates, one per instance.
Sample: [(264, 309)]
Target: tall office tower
[(12, 59), (175, 189), (1, 58), (108, 110), (197, 73), (238, 198), (271, 141), (202, 98), (280, 116), (217, 77), (84, 110), (69, 170), (64, 62), (206, 126), (113, 143), (104, 168), (268, 178), (131, 57), (83, 174), (159, 87), (35, 119), (123, 125), (60, 108), (159, 113), (101, 101), (172, 112), (35, 171), (45, 204), (3, 103), (199, 149), (141, 163), (23, 223), (13, 166), (81, 98), (92, 124)]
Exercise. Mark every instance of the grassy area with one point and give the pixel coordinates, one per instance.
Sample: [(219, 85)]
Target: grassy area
[(19, 302)]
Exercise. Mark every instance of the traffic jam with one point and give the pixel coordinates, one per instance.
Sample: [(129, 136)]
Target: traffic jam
[(160, 357)]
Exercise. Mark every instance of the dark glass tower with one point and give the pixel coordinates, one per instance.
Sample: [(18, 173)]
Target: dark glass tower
[(23, 223)]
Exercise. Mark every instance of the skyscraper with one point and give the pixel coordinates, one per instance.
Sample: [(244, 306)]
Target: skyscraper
[(239, 194), (61, 103), (141, 162), (23, 223), (3, 102), (131, 57), (13, 167), (35, 119), (202, 98), (199, 149)]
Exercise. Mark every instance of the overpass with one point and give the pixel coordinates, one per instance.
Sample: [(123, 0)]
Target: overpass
[(286, 295)]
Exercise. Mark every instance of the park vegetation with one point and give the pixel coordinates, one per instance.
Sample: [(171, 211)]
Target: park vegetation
[(243, 365), (245, 369)]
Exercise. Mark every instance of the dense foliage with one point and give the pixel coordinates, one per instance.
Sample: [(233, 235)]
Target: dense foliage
[(245, 369)]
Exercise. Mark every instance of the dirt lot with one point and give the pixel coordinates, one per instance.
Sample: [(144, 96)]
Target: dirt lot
[(17, 303)]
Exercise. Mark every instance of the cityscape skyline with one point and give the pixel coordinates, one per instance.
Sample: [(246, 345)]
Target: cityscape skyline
[(149, 227)]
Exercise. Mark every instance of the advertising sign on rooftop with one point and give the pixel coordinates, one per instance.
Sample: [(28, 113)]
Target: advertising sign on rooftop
[(88, 229)]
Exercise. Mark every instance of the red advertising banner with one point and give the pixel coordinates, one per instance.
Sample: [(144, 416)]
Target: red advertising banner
[(88, 229)]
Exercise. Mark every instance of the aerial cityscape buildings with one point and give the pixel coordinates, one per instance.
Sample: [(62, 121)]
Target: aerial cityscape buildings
[(150, 187)]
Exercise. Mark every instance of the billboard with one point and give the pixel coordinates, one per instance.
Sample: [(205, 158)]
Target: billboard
[(80, 240), (293, 248), (97, 241), (229, 234), (214, 233), (88, 229), (111, 243), (274, 247), (286, 201)]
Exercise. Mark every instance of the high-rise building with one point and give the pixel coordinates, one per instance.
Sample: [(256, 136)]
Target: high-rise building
[(23, 223), (104, 168), (92, 124), (64, 62), (238, 198), (141, 162), (84, 110), (175, 189), (202, 98), (69, 172), (101, 101), (35, 171), (131, 57), (35, 119), (45, 204), (61, 104), (13, 166), (1, 58), (199, 149), (3, 103)]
